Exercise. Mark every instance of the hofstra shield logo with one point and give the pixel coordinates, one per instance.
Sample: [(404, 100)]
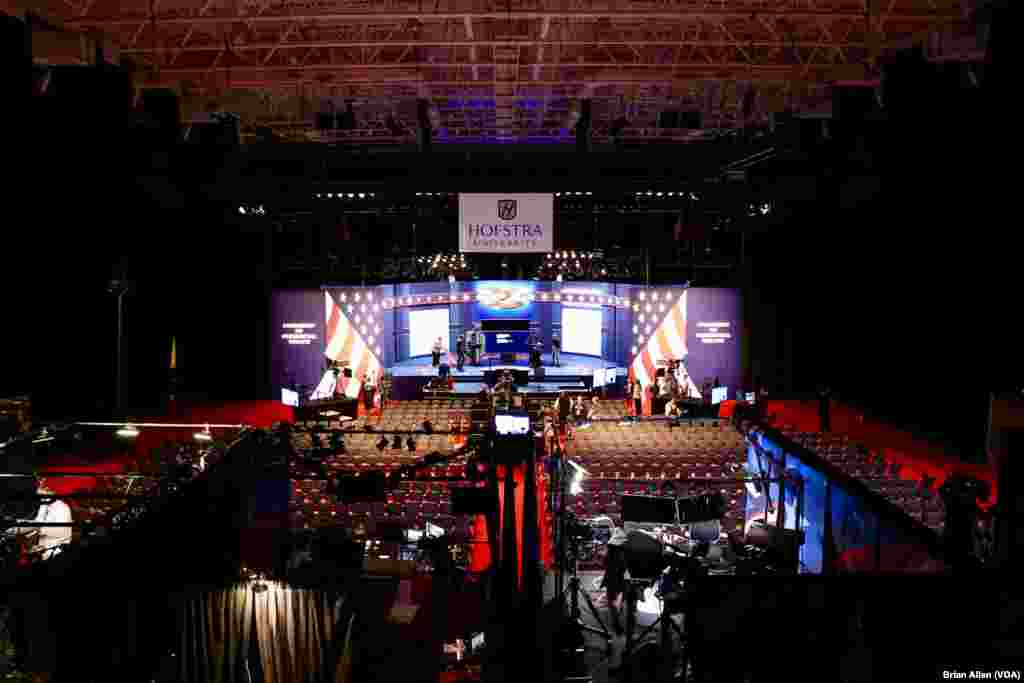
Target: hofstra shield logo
[(506, 209), (506, 223)]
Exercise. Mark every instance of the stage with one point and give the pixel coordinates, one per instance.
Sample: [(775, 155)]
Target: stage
[(574, 374)]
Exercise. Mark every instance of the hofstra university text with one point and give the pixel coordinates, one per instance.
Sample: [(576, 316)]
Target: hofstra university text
[(509, 230)]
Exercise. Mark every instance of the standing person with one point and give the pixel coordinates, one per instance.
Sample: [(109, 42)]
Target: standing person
[(368, 390), (564, 406), (435, 352), (460, 352), (556, 351), (638, 400), (825, 409)]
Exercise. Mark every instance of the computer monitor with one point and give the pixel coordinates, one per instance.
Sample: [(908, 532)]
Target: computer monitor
[(290, 398), (719, 394)]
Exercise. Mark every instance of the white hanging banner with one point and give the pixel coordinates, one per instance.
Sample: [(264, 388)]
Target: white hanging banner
[(506, 223)]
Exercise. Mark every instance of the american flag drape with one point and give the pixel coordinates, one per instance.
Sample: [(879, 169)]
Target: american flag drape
[(344, 343), (668, 342)]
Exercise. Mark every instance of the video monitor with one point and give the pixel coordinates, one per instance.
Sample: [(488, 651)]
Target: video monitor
[(507, 342), (512, 424), (719, 394)]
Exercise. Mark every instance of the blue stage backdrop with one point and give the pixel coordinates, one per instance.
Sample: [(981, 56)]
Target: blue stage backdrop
[(633, 325), (297, 338), (702, 326)]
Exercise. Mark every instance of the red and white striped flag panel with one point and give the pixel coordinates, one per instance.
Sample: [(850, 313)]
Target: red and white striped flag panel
[(346, 345), (666, 342)]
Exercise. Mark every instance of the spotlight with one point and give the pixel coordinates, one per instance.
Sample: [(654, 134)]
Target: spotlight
[(128, 431), (203, 435)]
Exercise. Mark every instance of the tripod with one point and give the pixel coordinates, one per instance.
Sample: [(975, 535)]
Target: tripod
[(575, 590)]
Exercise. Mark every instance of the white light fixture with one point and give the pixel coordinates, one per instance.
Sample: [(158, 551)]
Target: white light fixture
[(128, 431), (634, 351), (642, 295), (377, 350), (203, 435), (636, 329), (647, 329)]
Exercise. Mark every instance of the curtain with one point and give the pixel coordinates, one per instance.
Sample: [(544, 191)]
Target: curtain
[(215, 634), (295, 628), (294, 636)]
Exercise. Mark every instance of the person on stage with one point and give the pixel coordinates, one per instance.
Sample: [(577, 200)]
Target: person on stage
[(435, 352), (556, 351), (460, 352), (638, 400)]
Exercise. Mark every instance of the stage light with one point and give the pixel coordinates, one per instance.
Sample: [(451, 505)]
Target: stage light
[(647, 329), (649, 193), (330, 195), (451, 279), (558, 278), (660, 193), (636, 329), (241, 210), (633, 351), (369, 340), (661, 308), (643, 295), (362, 195), (128, 431), (377, 350), (642, 317), (558, 194), (641, 339), (203, 435), (648, 308)]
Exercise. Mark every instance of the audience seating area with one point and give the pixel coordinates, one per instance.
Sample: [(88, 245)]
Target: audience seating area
[(922, 503), (640, 458)]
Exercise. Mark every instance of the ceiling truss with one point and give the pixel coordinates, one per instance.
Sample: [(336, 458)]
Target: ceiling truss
[(701, 54)]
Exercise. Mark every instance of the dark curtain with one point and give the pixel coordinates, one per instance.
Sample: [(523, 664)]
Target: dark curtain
[(280, 635)]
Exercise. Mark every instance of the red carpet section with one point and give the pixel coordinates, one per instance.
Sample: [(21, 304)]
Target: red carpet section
[(915, 456)]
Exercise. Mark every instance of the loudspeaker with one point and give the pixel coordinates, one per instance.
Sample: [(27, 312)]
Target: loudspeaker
[(161, 107), (690, 119), (648, 510), (369, 488), (473, 501), (668, 119)]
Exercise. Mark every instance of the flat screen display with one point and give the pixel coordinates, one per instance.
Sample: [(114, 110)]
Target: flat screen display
[(718, 395), (512, 424), (507, 342), (581, 330), (425, 326)]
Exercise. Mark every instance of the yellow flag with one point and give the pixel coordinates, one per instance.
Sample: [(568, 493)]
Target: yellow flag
[(174, 354)]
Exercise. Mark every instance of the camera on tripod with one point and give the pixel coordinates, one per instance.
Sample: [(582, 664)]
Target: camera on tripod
[(578, 531)]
